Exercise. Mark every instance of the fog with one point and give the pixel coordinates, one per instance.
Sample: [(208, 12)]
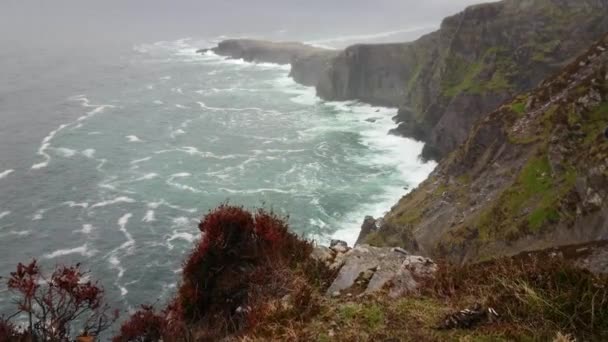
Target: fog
[(69, 23)]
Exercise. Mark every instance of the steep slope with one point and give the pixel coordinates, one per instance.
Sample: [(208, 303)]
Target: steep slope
[(531, 175), (479, 58)]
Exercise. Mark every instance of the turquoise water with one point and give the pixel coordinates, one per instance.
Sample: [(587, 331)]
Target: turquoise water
[(121, 184)]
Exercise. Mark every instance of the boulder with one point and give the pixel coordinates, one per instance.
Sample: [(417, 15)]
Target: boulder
[(373, 269), (339, 246)]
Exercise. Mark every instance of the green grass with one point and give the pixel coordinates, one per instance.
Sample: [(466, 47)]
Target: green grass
[(463, 76), (529, 205), (518, 107)]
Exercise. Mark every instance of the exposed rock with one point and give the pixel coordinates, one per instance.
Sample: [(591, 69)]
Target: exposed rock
[(308, 63), (323, 254), (369, 225), (523, 180), (377, 268), (308, 68), (252, 50), (447, 80)]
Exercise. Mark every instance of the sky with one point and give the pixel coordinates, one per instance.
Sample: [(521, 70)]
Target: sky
[(64, 22)]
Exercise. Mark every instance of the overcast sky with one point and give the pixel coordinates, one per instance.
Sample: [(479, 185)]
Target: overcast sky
[(137, 20)]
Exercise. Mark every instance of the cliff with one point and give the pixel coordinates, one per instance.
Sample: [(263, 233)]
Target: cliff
[(530, 175), (448, 79), (308, 62)]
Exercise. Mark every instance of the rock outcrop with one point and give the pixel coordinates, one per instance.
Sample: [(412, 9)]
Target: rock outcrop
[(308, 63), (448, 79), (365, 269), (531, 175)]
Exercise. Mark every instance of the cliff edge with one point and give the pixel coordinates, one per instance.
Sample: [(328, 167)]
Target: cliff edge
[(532, 174), (479, 58)]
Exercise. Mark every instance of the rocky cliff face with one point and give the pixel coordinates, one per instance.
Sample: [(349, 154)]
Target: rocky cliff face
[(531, 175), (252, 50), (308, 63), (479, 58)]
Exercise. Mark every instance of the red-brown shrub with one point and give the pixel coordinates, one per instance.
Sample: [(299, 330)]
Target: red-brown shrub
[(144, 325), (8, 331), (244, 264), (53, 304), (241, 259)]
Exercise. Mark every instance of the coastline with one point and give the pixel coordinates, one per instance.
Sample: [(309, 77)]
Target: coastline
[(376, 124)]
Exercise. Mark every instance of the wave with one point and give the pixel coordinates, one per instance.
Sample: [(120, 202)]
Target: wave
[(39, 214), (149, 217), (5, 173), (147, 176), (86, 229), (82, 250), (156, 205), (171, 181), (65, 152), (193, 151), (4, 214), (133, 138), (117, 200), (122, 224), (46, 141), (89, 153), (257, 191), (73, 204), (137, 161)]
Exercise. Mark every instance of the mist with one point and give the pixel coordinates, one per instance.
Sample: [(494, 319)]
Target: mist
[(72, 23)]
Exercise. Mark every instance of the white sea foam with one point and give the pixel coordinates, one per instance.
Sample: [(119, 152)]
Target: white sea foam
[(115, 263), (193, 151), (147, 176), (182, 236), (82, 250), (133, 138), (73, 204), (257, 191), (181, 106), (122, 223), (46, 142), (89, 152), (65, 152), (181, 221), (86, 229), (177, 132), (171, 181), (234, 109), (4, 214), (158, 102), (137, 161), (6, 173), (117, 200), (156, 205), (149, 217), (388, 152), (39, 214)]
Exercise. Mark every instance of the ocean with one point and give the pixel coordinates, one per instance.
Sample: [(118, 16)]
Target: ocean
[(111, 156)]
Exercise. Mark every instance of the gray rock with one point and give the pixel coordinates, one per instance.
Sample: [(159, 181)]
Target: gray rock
[(322, 254), (383, 267), (412, 269), (369, 226), (252, 50), (339, 246)]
